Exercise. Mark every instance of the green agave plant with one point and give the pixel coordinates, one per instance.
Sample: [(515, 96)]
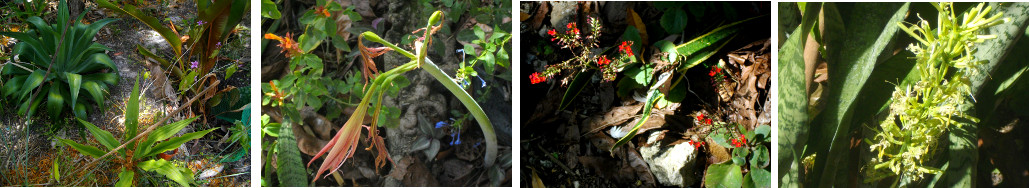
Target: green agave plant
[(146, 148), (62, 61)]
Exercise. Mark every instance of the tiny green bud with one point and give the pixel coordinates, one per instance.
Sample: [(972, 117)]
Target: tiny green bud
[(435, 17), (372, 37)]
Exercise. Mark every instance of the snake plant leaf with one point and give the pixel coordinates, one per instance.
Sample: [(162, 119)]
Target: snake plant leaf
[(723, 175), (153, 23), (702, 47), (581, 80), (125, 178), (291, 170), (84, 149), (175, 142), (792, 107), (855, 59), (105, 138), (182, 176)]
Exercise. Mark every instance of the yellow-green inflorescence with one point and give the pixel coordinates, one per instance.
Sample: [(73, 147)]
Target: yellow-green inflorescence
[(920, 113)]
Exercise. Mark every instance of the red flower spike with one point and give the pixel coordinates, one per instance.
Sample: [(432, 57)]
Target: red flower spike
[(535, 78)]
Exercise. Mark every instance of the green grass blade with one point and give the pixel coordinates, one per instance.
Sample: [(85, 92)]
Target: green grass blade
[(132, 112), (580, 82), (175, 142), (84, 149), (105, 138)]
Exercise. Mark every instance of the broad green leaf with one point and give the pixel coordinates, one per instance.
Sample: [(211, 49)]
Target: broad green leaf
[(105, 138), (861, 46), (309, 41), (739, 156), (674, 20), (159, 134), (269, 9), (74, 85), (125, 178), (759, 178), (763, 133), (723, 175), (760, 158), (667, 47), (180, 175), (31, 82), (581, 80), (175, 142), (792, 108), (55, 101), (291, 169), (84, 149)]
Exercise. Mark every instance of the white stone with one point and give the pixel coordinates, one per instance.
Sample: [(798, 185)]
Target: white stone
[(671, 165)]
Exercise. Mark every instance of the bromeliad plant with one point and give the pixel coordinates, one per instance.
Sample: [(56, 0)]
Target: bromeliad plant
[(922, 111), (344, 144), (145, 155), (62, 62)]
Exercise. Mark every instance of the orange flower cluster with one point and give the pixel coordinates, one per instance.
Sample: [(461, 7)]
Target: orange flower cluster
[(603, 61), (535, 78), (289, 47), (626, 48)]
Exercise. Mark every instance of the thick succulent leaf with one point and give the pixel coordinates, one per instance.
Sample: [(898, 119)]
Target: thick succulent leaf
[(792, 107), (175, 142), (74, 85), (153, 23), (84, 149), (581, 80), (723, 175), (180, 175), (31, 82), (105, 138), (55, 100), (291, 169), (13, 85), (125, 178), (712, 38), (860, 48)]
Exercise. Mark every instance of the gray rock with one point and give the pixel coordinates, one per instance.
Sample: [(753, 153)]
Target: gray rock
[(671, 165)]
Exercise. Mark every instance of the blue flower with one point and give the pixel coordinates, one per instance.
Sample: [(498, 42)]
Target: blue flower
[(440, 124), (483, 81), (457, 139)]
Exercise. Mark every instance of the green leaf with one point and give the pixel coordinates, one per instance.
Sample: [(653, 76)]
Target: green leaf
[(739, 156), (132, 112), (180, 175), (155, 24), (158, 134), (667, 47), (702, 47), (793, 105), (854, 66), (309, 41), (125, 178), (74, 85), (175, 142), (763, 133), (31, 82), (105, 138), (674, 20), (723, 175), (55, 171), (269, 9), (84, 149), (55, 101), (581, 80), (760, 158), (291, 170), (652, 97), (757, 177)]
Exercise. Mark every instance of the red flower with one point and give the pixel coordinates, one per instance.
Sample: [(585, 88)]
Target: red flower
[(536, 78), (715, 70), (572, 29), (708, 121), (603, 61), (626, 47), (552, 32), (700, 117)]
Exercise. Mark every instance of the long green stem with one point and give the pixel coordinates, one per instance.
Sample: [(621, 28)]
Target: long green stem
[(448, 82)]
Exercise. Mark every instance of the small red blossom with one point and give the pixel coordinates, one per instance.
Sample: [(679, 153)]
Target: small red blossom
[(708, 121), (572, 29), (603, 61), (322, 11), (552, 32), (626, 48), (700, 117), (715, 70), (535, 78)]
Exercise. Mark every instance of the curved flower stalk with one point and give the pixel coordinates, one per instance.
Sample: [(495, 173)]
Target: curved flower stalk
[(921, 112), (343, 145)]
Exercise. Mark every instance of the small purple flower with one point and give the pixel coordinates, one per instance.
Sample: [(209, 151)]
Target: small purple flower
[(201, 22), (440, 124), (194, 64), (219, 45), (240, 65)]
